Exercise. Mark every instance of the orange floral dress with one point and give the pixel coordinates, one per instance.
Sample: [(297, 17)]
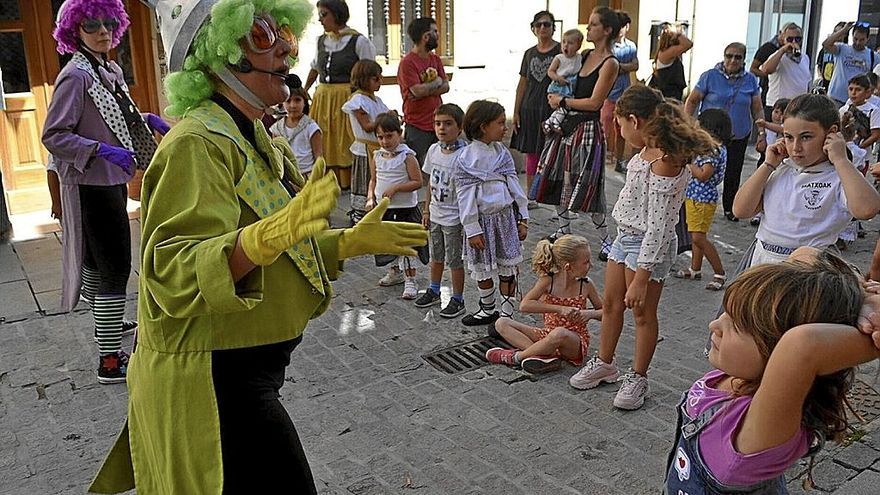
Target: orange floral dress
[(553, 320)]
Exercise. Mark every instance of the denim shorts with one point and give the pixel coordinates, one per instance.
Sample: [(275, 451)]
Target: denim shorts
[(626, 247)]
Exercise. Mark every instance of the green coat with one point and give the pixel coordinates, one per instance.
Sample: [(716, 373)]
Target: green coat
[(204, 184)]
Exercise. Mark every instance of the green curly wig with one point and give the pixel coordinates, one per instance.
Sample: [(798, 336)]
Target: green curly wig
[(217, 44)]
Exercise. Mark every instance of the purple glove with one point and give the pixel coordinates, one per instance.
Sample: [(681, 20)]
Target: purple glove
[(157, 124), (120, 157)]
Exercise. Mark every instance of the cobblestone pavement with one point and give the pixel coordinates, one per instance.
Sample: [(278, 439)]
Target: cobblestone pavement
[(374, 417)]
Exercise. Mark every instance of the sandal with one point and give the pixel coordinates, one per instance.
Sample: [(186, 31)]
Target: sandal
[(690, 274), (717, 282)]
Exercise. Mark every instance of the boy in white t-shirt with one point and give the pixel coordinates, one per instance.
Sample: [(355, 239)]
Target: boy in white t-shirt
[(441, 214)]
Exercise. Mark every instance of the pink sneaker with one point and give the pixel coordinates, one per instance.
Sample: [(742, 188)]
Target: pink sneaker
[(593, 374), (497, 355)]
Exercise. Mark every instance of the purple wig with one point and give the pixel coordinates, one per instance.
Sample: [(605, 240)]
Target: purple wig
[(72, 13)]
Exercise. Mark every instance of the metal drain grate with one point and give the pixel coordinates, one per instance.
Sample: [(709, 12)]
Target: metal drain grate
[(464, 357), (865, 400)]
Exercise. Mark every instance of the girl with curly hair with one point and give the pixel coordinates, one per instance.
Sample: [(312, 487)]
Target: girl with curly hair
[(97, 138), (646, 214)]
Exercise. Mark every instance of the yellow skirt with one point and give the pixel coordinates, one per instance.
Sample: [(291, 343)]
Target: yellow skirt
[(327, 111)]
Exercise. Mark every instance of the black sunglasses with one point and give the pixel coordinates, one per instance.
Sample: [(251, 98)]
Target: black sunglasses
[(541, 24), (734, 56), (92, 26), (794, 39)]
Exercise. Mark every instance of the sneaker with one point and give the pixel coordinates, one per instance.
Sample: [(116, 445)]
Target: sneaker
[(632, 393), (394, 277), (593, 374), (538, 364), (453, 309), (410, 289), (428, 299), (481, 317), (112, 368), (497, 355), (605, 250), (755, 221), (620, 167), (532, 204)]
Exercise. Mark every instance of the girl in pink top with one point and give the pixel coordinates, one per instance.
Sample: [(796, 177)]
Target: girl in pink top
[(784, 351), (646, 213)]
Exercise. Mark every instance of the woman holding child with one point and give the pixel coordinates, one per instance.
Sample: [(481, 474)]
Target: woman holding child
[(530, 107), (571, 172)]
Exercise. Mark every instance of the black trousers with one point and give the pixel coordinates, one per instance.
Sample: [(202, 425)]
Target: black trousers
[(261, 450), (106, 235), (736, 154)]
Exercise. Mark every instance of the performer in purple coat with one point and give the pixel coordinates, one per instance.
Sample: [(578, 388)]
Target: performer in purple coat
[(97, 137)]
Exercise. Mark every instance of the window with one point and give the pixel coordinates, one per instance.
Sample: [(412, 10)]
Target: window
[(387, 21)]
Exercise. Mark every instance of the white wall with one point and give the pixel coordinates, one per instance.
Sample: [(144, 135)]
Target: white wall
[(834, 12)]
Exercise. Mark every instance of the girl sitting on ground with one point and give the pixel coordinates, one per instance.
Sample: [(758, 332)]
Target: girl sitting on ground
[(561, 295)]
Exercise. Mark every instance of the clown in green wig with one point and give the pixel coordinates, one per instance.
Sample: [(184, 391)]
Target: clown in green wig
[(217, 45), (235, 262)]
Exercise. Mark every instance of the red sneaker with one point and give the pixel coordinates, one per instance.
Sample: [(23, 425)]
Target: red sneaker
[(497, 355)]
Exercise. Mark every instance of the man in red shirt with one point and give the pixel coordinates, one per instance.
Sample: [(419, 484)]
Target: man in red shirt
[(422, 80)]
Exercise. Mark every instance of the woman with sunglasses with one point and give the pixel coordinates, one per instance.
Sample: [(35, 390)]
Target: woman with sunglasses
[(232, 266), (338, 49), (530, 108), (97, 137), (729, 87)]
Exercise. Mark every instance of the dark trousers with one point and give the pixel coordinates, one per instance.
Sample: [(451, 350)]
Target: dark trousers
[(419, 141), (261, 449), (736, 154), (106, 235)]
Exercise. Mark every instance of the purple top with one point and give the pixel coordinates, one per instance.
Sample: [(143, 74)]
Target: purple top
[(74, 127), (716, 440)]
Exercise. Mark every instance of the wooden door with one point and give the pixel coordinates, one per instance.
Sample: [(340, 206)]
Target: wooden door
[(24, 84), (30, 65)]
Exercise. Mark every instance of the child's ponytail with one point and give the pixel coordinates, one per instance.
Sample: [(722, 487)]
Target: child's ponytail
[(677, 134), (549, 258), (664, 124), (542, 258)]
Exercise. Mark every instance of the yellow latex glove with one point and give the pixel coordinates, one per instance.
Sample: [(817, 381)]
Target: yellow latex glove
[(373, 236), (281, 144), (304, 216)]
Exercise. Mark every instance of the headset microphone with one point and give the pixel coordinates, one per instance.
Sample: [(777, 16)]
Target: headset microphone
[(245, 66)]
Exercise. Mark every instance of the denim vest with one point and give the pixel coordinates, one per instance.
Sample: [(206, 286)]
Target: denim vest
[(687, 474)]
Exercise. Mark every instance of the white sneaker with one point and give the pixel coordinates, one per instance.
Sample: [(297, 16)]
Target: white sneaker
[(593, 374), (632, 393), (393, 277), (410, 289)]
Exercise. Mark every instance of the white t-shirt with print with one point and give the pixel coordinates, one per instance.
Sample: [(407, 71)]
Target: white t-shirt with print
[(373, 107), (441, 172), (300, 143), (803, 207)]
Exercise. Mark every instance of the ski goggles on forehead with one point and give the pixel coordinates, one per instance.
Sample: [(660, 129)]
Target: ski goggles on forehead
[(263, 37), (92, 26)]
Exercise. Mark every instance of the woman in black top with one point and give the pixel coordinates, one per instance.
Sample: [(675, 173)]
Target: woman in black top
[(571, 169), (668, 74), (531, 107)]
